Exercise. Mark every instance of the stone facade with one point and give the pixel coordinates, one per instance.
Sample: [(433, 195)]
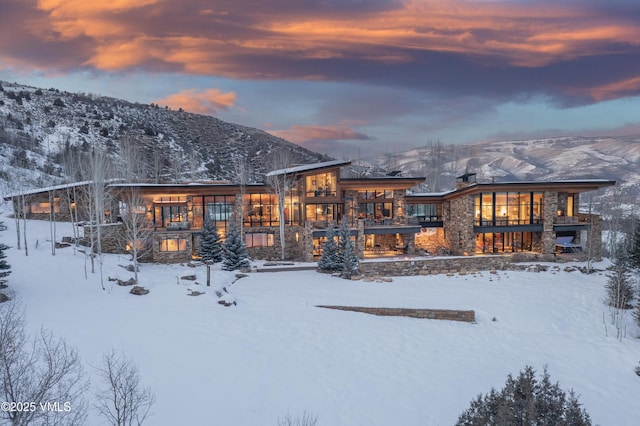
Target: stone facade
[(549, 213), (459, 221), (295, 243), (172, 256)]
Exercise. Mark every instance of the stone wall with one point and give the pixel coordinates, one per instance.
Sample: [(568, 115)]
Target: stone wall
[(549, 213), (172, 256), (439, 314), (591, 239), (112, 236), (439, 265), (459, 220), (458, 264), (294, 245)]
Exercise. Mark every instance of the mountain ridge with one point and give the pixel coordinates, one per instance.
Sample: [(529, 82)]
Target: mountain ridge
[(38, 127)]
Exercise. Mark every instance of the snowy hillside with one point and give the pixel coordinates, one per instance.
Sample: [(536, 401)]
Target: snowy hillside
[(615, 158), (275, 353), (38, 127)]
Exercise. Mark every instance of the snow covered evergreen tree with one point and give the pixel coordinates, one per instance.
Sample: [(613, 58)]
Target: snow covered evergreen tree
[(5, 268), (350, 262), (619, 286), (330, 259), (526, 400), (211, 248), (234, 250), (347, 256)]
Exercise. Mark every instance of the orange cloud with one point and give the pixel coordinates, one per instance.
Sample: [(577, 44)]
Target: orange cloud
[(614, 90), (206, 102), (301, 134), (521, 34)]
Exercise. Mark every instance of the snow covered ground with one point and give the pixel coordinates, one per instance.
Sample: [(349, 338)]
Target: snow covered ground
[(275, 353)]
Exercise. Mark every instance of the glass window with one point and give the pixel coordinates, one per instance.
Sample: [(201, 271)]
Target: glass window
[(45, 207), (321, 185), (259, 240), (173, 244), (425, 212), (260, 210)]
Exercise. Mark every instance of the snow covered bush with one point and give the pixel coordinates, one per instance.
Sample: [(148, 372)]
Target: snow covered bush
[(329, 260), (211, 248), (305, 420), (347, 252), (234, 250), (526, 401)]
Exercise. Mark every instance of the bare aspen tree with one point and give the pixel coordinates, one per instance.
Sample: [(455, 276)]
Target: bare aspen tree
[(243, 177), (281, 182), (70, 168), (39, 370), (52, 221), (122, 400), (97, 169), (133, 212)]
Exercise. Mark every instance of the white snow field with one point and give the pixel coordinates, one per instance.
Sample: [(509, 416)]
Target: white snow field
[(275, 353)]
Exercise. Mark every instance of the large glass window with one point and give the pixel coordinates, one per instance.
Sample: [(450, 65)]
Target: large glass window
[(503, 242), (425, 212), (260, 210), (508, 208), (321, 185), (375, 205), (173, 244), (321, 214)]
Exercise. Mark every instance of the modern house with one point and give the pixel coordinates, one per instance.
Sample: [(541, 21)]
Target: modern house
[(384, 217)]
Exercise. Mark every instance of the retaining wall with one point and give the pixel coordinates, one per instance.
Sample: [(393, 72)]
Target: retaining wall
[(439, 314)]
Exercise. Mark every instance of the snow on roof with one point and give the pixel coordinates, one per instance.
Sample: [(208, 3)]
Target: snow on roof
[(430, 194), (308, 167), (55, 188)]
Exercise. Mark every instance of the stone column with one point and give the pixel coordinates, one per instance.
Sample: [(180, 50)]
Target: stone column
[(399, 207), (307, 241), (549, 213), (360, 239)]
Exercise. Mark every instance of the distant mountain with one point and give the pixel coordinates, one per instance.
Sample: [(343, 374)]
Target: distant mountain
[(616, 158), (38, 127)]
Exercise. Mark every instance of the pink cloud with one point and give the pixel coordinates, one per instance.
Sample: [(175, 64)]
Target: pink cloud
[(209, 101), (300, 134)]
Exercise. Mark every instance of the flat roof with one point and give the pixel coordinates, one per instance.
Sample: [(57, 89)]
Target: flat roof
[(309, 167)]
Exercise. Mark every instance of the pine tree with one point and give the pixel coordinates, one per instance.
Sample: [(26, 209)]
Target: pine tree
[(526, 400), (211, 248), (234, 250), (350, 262), (348, 259), (5, 268), (619, 287), (330, 260)]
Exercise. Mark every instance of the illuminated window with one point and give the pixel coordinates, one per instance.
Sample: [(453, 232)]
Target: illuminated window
[(259, 240), (173, 244), (45, 208)]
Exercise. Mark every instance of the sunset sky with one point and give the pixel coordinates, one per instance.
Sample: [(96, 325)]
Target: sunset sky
[(346, 77)]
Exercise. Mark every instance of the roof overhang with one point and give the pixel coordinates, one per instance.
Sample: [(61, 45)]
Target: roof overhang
[(390, 182), (308, 168), (572, 186)]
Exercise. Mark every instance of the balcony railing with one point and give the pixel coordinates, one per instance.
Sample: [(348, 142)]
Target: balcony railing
[(567, 220)]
